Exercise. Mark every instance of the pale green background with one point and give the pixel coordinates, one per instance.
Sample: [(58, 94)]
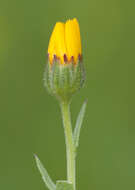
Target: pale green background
[(30, 120)]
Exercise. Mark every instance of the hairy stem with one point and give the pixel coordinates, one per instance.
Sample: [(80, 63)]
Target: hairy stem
[(70, 149)]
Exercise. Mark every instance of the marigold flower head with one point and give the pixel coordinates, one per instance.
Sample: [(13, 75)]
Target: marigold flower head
[(64, 73), (65, 42)]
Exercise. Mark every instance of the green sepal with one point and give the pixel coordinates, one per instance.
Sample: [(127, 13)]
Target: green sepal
[(64, 185), (63, 80), (45, 176), (78, 125)]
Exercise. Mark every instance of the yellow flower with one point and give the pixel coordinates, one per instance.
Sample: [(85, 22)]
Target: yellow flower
[(64, 73), (65, 41)]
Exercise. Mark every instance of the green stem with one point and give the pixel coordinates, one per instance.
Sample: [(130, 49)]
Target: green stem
[(70, 149)]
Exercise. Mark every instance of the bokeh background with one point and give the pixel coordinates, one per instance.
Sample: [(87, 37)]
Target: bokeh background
[(30, 120)]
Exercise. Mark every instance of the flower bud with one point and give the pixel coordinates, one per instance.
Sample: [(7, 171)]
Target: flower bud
[(64, 74)]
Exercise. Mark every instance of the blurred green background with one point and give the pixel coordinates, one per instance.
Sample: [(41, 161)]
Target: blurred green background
[(30, 120)]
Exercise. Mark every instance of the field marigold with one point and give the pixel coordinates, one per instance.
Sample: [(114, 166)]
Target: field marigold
[(64, 73)]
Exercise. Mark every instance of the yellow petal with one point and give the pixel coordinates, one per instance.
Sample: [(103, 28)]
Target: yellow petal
[(57, 42), (51, 47), (73, 39)]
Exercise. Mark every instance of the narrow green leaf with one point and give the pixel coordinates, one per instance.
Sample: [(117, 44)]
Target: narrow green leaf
[(64, 185), (46, 178), (78, 125)]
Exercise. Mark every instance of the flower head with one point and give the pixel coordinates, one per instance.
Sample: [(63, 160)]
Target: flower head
[(64, 74), (65, 42)]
